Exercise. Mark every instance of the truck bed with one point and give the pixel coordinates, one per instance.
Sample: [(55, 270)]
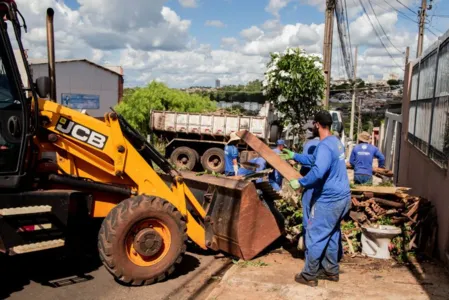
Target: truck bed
[(208, 124)]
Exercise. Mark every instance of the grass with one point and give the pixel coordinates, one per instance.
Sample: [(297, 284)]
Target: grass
[(213, 173), (249, 263), (386, 183)]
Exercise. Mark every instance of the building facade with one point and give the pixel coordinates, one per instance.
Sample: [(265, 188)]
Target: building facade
[(84, 85), (423, 161)]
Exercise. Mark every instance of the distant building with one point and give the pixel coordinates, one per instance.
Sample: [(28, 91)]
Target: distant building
[(217, 84), (82, 84), (391, 76), (371, 79)]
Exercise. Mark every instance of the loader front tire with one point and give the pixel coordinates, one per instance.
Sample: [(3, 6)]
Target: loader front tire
[(142, 240)]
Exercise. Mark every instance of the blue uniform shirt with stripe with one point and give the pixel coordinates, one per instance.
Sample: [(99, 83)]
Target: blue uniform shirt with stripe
[(231, 153), (309, 148), (327, 176), (362, 159)]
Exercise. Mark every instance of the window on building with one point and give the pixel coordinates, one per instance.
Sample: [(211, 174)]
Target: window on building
[(439, 135), (429, 105)]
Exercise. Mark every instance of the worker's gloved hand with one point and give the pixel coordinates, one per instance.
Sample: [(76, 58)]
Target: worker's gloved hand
[(236, 169), (294, 184), (287, 154)]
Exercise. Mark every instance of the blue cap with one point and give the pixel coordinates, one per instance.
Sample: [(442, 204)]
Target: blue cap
[(280, 142)]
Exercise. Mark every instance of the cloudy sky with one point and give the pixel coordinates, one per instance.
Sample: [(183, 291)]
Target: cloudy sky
[(193, 42)]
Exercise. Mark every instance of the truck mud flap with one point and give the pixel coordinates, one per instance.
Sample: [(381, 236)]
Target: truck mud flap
[(239, 220)]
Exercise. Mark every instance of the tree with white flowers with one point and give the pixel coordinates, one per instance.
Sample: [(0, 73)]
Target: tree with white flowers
[(294, 82)]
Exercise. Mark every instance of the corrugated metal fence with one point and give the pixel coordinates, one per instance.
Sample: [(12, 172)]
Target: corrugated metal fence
[(429, 103)]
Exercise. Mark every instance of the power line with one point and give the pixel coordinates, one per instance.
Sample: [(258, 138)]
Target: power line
[(431, 26), (441, 16), (349, 31), (428, 29), (378, 36), (407, 7), (369, 1), (400, 12)]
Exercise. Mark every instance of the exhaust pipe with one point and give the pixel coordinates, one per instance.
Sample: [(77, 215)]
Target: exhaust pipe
[(51, 54)]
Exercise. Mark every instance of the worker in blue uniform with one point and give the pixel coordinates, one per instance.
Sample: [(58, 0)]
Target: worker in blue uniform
[(232, 155), (362, 160), (309, 147), (261, 165), (330, 202), (275, 177)]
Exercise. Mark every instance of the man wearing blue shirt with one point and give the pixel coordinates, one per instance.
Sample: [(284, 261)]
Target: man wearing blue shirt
[(231, 156), (276, 177), (330, 202), (309, 147), (362, 160)]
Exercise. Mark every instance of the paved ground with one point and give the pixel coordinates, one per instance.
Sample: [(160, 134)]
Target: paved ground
[(37, 278), (361, 278)]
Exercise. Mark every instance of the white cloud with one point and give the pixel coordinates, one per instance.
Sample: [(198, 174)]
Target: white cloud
[(271, 24), (152, 42), (188, 3), (229, 41), (274, 6), (308, 37), (252, 33), (194, 67), (215, 23)]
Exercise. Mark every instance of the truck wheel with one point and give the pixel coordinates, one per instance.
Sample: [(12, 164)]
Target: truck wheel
[(213, 160), (141, 240), (274, 133), (184, 158)]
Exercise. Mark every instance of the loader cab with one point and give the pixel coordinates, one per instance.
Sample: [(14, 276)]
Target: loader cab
[(14, 106)]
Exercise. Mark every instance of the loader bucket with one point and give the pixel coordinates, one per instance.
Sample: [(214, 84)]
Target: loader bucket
[(239, 220)]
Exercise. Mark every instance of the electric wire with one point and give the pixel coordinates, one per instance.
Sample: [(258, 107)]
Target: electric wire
[(381, 27), (378, 36), (407, 7)]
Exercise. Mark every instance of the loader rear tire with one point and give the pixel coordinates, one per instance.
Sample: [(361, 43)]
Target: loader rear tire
[(137, 225), (185, 158)]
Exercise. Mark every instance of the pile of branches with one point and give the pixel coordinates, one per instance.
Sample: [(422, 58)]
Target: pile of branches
[(373, 206)]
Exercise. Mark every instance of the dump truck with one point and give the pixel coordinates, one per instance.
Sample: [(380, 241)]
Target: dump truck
[(195, 139), (60, 167)]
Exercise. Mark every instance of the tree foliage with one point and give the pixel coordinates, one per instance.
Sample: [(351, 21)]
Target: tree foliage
[(294, 82), (138, 103), (252, 86), (393, 82)]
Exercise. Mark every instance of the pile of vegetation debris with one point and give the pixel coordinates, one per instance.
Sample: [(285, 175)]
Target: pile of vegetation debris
[(373, 206)]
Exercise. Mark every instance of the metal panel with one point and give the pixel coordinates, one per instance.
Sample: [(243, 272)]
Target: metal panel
[(181, 122), (194, 124), (219, 125), (206, 124), (232, 125), (170, 121), (258, 127)]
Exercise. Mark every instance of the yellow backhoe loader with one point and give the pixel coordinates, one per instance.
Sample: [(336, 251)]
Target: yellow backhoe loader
[(59, 166)]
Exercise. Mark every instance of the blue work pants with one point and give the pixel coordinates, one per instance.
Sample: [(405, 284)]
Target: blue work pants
[(323, 237), (363, 179), (306, 199)]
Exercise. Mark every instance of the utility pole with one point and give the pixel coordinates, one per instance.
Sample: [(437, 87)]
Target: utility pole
[(407, 55), (351, 129), (359, 119), (422, 20), (327, 48)]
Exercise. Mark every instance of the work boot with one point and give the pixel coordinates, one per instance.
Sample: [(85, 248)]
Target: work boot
[(300, 279), (325, 276)]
